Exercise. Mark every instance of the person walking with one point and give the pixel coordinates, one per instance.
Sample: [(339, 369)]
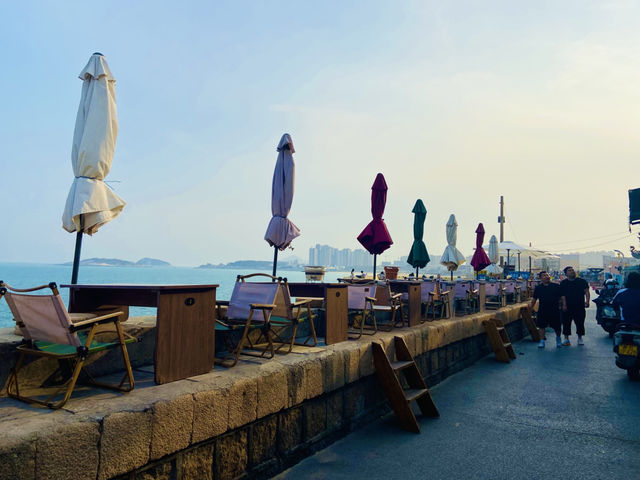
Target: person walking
[(575, 299), (549, 295)]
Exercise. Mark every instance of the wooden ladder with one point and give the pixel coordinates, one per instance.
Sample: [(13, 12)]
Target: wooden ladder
[(400, 398), (527, 317), (499, 340)]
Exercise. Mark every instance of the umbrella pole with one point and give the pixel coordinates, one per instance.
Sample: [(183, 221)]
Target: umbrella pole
[(374, 266), (417, 268), (452, 275), (76, 258), (275, 260)]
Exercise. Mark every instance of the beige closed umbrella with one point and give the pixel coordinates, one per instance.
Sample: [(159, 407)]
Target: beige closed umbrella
[(91, 203), (493, 269), (452, 258)]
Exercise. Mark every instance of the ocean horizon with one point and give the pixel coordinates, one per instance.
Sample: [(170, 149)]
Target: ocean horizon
[(26, 275)]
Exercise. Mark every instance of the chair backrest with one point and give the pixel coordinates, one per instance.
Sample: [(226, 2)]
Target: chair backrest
[(246, 293), (44, 317), (425, 289), (510, 286), (461, 289), (492, 288), (283, 302), (357, 295)]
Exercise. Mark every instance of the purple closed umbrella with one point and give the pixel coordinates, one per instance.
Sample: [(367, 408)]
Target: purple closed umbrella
[(281, 231), (480, 259), (375, 236)]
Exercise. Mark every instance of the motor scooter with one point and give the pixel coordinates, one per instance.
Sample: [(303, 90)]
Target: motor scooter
[(626, 345), (607, 316)]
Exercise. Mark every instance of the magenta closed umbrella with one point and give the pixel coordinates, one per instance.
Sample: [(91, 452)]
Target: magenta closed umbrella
[(375, 236), (480, 259)]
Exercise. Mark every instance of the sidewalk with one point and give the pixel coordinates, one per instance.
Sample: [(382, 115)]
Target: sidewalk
[(566, 413)]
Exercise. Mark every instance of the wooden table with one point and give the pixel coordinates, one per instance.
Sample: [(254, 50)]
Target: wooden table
[(185, 324), (336, 306)]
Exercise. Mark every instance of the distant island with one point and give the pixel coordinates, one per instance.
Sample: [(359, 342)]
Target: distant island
[(116, 262), (253, 264), (241, 264)]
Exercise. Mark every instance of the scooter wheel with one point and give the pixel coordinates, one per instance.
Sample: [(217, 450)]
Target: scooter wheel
[(634, 373)]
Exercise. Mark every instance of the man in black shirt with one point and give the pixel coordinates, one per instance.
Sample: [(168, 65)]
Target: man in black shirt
[(549, 295), (575, 298)]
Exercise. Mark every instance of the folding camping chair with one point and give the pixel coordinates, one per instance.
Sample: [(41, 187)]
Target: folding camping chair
[(389, 302), (512, 291), (361, 299), (48, 331), (287, 316), (494, 295), (464, 294), (249, 310)]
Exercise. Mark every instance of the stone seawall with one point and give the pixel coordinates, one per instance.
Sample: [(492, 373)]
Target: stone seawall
[(250, 421)]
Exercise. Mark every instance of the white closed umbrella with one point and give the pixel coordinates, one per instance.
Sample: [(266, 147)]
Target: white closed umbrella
[(452, 258), (91, 203), (493, 256), (281, 231)]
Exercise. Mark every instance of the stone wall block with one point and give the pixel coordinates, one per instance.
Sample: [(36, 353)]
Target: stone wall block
[(332, 366), (353, 401), (335, 411), (243, 402), (314, 378), (263, 441), (315, 418), (231, 455), (296, 384), (210, 414), (125, 442), (289, 429), (272, 390), (17, 457), (197, 463), (365, 363), (172, 425), (161, 471), (70, 451)]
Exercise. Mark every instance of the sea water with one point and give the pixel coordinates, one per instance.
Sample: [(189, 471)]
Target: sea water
[(26, 275)]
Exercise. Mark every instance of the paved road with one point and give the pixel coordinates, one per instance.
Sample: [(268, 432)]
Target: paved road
[(556, 413)]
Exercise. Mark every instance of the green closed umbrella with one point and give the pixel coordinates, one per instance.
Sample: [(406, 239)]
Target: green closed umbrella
[(418, 256)]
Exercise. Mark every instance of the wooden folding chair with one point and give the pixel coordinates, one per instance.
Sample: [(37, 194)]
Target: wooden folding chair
[(360, 304), (249, 310), (49, 332), (287, 316), (389, 302), (494, 295), (464, 294), (438, 301)]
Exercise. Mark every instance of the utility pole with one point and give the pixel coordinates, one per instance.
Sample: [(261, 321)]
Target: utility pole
[(501, 222)]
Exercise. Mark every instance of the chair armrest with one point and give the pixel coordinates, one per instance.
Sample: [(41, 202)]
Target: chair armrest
[(395, 296), (94, 321), (446, 292), (300, 302), (371, 299), (266, 306)]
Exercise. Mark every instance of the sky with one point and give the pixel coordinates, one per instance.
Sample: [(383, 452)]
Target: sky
[(456, 103)]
